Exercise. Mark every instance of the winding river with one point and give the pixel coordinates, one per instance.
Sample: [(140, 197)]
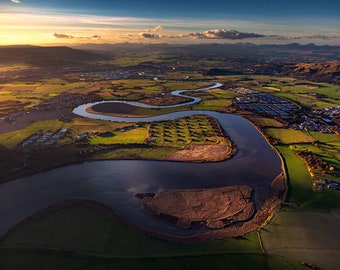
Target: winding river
[(114, 183)]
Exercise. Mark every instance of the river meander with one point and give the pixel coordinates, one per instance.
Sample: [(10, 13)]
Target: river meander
[(114, 183)]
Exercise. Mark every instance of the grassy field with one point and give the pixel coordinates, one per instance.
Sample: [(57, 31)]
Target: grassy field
[(12, 139), (289, 136), (300, 185), (158, 139), (135, 152), (17, 259), (135, 135), (34, 93), (300, 92), (181, 132), (329, 152), (82, 237), (77, 126), (307, 236), (265, 122), (294, 89)]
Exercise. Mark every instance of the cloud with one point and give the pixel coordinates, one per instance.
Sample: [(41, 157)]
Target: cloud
[(210, 34), (16, 1), (56, 35), (65, 36), (221, 34), (303, 37), (149, 35), (157, 28)]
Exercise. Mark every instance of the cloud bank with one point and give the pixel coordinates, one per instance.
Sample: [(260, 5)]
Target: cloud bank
[(149, 35), (222, 34), (157, 28), (210, 34), (304, 37), (65, 36), (16, 1), (56, 35)]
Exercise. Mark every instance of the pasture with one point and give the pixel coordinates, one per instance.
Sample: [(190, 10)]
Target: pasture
[(75, 236), (181, 132), (311, 237), (300, 190), (289, 136)]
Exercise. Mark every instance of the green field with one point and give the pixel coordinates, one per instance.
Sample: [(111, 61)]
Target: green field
[(135, 135), (182, 132), (135, 152), (81, 237), (76, 127), (328, 152), (307, 236), (289, 136), (265, 122), (300, 91), (300, 190), (31, 94)]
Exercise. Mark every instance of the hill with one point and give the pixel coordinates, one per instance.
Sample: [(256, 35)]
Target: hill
[(46, 56)]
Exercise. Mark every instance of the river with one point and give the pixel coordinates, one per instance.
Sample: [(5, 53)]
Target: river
[(114, 183)]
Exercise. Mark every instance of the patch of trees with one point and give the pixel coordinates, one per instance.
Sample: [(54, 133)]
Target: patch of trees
[(313, 161)]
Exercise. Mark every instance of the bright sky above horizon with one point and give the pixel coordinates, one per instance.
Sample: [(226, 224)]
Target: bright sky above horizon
[(86, 21)]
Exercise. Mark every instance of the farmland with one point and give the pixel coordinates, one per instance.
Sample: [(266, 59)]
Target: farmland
[(83, 236), (46, 239), (308, 236)]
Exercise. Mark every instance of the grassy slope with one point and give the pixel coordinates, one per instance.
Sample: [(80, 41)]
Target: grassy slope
[(92, 236), (300, 185), (288, 136), (308, 236)]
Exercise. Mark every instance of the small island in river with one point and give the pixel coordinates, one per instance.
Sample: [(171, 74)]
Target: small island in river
[(221, 212), (213, 208)]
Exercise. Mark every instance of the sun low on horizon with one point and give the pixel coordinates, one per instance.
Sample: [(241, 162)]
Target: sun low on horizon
[(62, 22)]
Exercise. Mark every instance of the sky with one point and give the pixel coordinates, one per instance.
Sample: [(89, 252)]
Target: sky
[(50, 22)]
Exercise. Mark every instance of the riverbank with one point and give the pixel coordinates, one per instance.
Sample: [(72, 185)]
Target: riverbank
[(241, 222), (222, 223), (104, 179)]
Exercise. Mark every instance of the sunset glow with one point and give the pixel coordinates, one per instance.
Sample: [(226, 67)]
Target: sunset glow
[(37, 22)]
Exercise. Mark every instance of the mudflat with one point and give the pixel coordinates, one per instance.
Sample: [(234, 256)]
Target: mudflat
[(212, 208)]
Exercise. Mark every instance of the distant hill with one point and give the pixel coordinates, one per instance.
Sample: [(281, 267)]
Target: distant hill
[(46, 56), (327, 72), (317, 63), (293, 53)]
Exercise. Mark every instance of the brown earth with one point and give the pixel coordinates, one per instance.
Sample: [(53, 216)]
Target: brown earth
[(212, 208), (225, 212), (202, 153), (321, 71), (85, 90)]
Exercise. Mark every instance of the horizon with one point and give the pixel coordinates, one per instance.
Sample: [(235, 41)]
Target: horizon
[(67, 23)]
